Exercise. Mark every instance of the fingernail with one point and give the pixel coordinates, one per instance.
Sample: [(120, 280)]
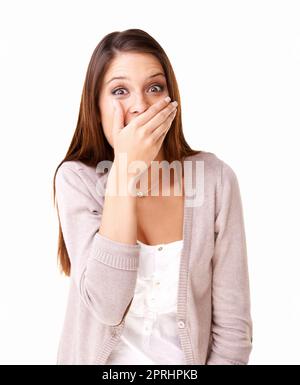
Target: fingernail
[(168, 99)]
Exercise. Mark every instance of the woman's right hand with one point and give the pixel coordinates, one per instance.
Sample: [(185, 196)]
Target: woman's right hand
[(142, 138)]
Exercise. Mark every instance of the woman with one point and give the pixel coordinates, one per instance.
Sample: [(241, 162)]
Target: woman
[(155, 279)]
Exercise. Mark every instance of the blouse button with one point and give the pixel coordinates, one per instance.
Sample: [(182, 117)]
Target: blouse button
[(160, 248), (181, 324)]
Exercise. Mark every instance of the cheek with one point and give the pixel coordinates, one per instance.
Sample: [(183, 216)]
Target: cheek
[(106, 116), (107, 129)]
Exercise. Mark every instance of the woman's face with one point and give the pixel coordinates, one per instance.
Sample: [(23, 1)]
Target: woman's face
[(137, 91)]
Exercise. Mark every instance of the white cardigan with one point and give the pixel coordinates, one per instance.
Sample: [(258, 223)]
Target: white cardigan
[(150, 335)]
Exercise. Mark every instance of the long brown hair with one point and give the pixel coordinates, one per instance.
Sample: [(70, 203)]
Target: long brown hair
[(89, 144)]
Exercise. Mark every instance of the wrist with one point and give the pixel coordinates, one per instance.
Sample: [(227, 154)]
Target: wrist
[(121, 183)]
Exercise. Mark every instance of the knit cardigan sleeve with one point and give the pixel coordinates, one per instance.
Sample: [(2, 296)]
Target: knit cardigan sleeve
[(104, 271), (231, 323)]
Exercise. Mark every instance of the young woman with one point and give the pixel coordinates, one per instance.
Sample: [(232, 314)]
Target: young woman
[(154, 278)]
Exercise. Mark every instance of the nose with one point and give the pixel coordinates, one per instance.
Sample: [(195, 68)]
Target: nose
[(139, 105)]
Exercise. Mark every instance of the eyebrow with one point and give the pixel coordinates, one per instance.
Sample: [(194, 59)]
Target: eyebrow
[(123, 77)]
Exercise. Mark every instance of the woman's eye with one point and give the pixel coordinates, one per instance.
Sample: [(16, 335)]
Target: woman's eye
[(158, 85), (115, 92)]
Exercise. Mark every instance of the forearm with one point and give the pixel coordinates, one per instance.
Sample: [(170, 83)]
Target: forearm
[(119, 219)]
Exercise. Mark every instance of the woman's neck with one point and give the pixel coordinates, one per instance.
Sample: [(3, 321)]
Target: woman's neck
[(157, 170)]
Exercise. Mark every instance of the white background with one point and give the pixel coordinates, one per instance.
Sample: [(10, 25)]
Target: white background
[(237, 64)]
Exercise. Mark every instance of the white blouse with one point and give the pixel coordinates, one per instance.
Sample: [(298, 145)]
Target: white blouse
[(150, 332)]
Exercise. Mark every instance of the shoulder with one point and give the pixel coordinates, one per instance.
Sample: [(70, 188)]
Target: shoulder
[(77, 175), (214, 166), (217, 171), (77, 167)]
